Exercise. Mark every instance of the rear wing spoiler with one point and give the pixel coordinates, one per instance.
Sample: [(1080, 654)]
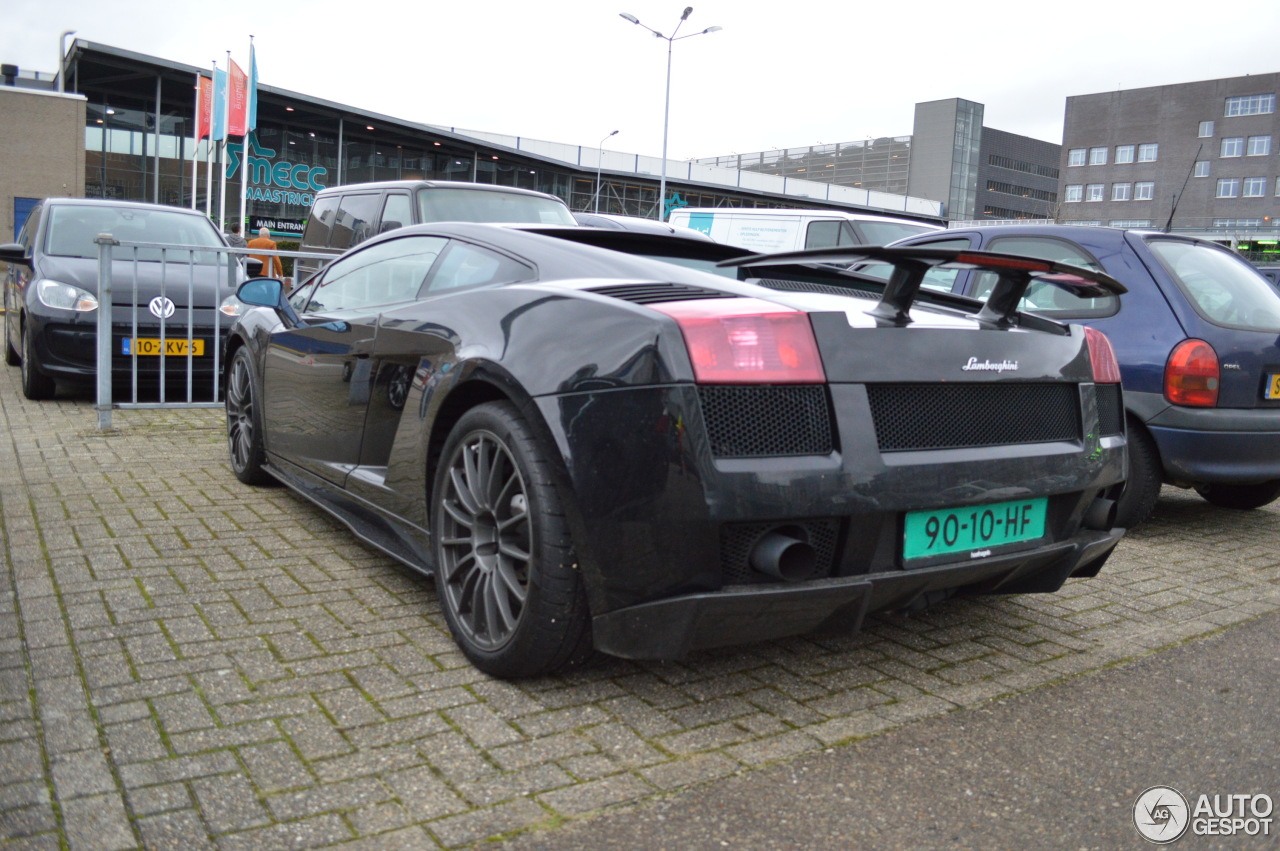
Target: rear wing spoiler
[(1015, 273)]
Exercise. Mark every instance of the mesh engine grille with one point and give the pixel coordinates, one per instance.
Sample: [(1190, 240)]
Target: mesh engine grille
[(954, 416), (754, 422), (1110, 409), (658, 293), (806, 287), (737, 539)]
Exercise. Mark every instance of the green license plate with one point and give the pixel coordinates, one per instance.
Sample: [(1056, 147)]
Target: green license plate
[(975, 527), (1273, 386)]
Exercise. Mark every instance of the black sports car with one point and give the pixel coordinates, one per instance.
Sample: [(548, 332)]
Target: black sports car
[(643, 445)]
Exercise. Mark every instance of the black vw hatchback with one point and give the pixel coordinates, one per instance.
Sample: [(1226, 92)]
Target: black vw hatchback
[(51, 293)]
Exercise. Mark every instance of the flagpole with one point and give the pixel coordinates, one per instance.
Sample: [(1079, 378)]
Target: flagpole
[(244, 143), (208, 150), (195, 149), (222, 167)]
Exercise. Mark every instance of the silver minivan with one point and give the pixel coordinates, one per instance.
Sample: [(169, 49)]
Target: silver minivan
[(343, 216)]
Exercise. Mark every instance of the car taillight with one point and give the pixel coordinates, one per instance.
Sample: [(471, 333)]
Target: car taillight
[(1191, 375), (747, 341), (1106, 369)]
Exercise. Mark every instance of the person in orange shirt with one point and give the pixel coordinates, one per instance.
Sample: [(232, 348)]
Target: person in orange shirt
[(271, 267)]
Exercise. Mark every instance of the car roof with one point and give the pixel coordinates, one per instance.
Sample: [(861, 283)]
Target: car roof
[(431, 184), (119, 205)]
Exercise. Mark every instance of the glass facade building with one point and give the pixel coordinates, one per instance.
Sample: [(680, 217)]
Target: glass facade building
[(139, 146)]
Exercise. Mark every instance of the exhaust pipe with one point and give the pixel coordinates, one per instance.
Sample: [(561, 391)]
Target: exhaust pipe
[(1101, 515), (783, 555)]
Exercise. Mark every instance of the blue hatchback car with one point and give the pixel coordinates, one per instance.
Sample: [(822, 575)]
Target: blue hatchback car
[(1198, 340)]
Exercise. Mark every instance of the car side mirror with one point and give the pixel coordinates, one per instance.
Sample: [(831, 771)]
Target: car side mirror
[(13, 252), (268, 292)]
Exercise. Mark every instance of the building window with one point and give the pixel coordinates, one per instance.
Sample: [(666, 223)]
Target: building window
[(1237, 223), (1075, 192), (1075, 156), (1124, 153), (1084, 223), (1254, 187), (1147, 153), (1093, 192), (1206, 129), (1144, 191), (1130, 223), (1233, 147), (1121, 191), (1251, 105), (1259, 146), (1202, 169), (1097, 156), (1228, 187)]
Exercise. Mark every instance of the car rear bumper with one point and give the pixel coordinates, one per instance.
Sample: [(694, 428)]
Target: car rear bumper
[(675, 626), (658, 514), (1223, 445)]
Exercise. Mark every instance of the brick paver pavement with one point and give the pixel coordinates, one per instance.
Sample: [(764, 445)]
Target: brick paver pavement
[(187, 662)]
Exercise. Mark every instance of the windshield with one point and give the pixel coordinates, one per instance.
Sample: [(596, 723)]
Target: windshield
[(74, 227), (1223, 288), (440, 204)]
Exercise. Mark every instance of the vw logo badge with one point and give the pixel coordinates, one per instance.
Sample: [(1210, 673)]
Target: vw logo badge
[(161, 306)]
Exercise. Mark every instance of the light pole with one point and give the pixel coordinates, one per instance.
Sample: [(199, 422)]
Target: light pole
[(666, 107), (62, 59), (599, 164)]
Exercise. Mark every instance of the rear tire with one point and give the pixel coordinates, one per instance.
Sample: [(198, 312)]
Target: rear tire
[(244, 422), (11, 356), (506, 572), (1143, 481), (1240, 497), (35, 384)]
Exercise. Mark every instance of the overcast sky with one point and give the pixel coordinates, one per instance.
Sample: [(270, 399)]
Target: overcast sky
[(782, 73)]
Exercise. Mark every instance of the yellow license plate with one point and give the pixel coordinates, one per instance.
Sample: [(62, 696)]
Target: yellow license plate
[(172, 347), (1273, 386)]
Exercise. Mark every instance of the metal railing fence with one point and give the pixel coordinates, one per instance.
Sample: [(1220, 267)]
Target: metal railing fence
[(189, 271)]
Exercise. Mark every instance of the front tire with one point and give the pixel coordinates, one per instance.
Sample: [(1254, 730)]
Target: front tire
[(1240, 497), (35, 384), (506, 572), (244, 422)]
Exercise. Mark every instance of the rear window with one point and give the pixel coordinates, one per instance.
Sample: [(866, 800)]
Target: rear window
[(441, 204), (1221, 286), (1044, 297), (73, 228)]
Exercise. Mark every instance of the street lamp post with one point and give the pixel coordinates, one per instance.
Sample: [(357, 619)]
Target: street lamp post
[(62, 59), (599, 164), (666, 107)]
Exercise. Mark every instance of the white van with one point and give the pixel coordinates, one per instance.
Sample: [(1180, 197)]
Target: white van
[(769, 230)]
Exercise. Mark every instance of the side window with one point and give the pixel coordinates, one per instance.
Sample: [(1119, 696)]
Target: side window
[(386, 273), (319, 222), (354, 220), (1045, 297), (466, 265), (27, 235), (822, 235), (396, 212)]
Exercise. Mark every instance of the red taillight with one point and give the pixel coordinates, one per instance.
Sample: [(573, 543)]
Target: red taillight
[(1106, 369), (1191, 375), (747, 341), (987, 261)]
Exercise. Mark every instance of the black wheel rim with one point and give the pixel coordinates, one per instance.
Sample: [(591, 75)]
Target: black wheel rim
[(240, 413), (486, 539)]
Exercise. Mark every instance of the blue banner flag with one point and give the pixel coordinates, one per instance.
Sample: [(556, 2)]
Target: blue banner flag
[(219, 104)]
